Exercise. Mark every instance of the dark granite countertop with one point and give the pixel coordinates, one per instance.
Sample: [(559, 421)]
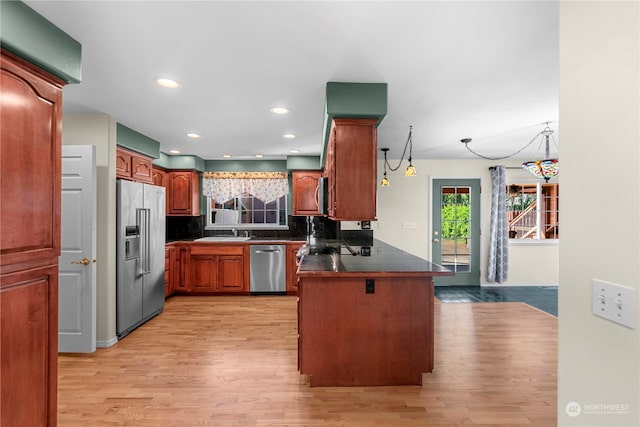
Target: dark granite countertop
[(378, 258)]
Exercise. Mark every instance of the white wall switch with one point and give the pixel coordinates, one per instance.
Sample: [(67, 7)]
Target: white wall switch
[(614, 302), (409, 226)]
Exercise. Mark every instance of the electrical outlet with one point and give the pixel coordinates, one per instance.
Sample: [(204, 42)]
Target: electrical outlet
[(614, 302), (370, 286)]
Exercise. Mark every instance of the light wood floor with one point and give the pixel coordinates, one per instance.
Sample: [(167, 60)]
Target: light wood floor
[(231, 361)]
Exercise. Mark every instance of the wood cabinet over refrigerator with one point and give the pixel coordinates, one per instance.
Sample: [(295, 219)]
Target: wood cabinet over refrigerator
[(350, 166), (133, 166), (30, 192)]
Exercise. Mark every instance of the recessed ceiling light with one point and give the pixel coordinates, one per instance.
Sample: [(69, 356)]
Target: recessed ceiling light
[(226, 156), (174, 151), (165, 82), (193, 135), (259, 156), (279, 110), (294, 151), (289, 136)]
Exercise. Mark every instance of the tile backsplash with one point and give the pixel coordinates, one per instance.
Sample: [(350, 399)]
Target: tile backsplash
[(192, 227)]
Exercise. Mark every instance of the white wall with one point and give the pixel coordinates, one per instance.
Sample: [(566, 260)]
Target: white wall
[(100, 130), (408, 200), (599, 361)]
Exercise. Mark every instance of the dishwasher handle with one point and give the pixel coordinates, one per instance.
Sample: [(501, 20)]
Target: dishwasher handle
[(262, 251)]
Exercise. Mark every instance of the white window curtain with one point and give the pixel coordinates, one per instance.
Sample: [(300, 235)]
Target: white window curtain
[(498, 267), (224, 186)]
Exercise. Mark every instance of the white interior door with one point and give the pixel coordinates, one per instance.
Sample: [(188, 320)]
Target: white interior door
[(77, 270)]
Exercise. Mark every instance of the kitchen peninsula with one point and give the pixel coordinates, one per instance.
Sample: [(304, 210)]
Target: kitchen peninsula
[(365, 316)]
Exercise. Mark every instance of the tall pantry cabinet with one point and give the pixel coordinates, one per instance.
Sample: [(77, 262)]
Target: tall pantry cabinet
[(30, 193)]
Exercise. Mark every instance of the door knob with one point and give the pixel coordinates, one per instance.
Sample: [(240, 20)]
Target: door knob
[(436, 241), (85, 261)]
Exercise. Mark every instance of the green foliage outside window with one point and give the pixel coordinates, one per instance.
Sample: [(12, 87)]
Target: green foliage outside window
[(455, 216)]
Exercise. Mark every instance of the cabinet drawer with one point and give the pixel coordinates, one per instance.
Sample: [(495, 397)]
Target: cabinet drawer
[(213, 249)]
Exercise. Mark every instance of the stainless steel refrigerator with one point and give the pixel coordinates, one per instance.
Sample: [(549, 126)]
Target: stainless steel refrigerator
[(140, 241)]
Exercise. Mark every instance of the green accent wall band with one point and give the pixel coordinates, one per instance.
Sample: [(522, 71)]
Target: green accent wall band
[(129, 138), (304, 163), (245, 165), (29, 35)]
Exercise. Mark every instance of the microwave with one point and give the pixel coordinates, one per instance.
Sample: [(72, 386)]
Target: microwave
[(323, 195)]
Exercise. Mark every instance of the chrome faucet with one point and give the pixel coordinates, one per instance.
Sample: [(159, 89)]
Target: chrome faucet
[(235, 232)]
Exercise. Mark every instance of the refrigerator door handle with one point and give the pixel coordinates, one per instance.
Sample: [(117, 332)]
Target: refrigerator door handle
[(143, 223)]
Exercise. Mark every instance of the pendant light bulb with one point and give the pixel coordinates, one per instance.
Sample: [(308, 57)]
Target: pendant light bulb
[(411, 170)]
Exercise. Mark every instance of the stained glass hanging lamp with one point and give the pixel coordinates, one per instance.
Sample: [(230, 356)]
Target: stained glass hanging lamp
[(547, 168)]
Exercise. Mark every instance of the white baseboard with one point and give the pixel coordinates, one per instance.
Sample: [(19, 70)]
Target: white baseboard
[(507, 285), (107, 344)]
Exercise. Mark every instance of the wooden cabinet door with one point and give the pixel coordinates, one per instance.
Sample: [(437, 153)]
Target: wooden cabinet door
[(179, 269), (292, 267), (231, 273), (184, 193), (30, 193), (305, 192), (167, 271), (203, 276), (141, 169), (159, 177), (123, 164), (352, 184), (330, 173)]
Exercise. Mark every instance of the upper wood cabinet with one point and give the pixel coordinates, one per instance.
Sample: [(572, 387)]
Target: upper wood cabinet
[(133, 166), (30, 197), (305, 192), (183, 193), (159, 177), (350, 166)]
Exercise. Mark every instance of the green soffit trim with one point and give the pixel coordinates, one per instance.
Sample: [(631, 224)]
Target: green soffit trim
[(129, 138), (245, 165), (179, 161), (29, 35), (303, 163)]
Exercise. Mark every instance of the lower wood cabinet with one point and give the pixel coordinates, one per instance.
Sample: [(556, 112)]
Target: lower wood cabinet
[(292, 267), (214, 268), (208, 268), (167, 271)]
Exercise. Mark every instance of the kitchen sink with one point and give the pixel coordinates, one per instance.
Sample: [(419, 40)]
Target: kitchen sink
[(223, 239)]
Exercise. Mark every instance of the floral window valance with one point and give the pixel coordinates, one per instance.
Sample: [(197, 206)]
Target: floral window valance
[(266, 186)]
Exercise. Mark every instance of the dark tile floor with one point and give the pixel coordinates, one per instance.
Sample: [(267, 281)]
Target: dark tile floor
[(543, 297)]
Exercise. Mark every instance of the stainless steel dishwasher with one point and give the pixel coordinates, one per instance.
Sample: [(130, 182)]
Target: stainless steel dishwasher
[(268, 265)]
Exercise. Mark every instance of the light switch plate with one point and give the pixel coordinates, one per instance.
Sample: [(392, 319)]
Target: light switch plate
[(614, 302)]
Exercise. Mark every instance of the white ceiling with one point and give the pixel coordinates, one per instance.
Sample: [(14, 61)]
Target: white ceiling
[(485, 70)]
